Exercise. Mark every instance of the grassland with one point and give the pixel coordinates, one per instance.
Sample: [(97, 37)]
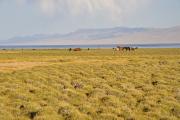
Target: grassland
[(90, 85)]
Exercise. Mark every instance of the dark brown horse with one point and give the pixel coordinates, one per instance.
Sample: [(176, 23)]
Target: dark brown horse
[(77, 49)]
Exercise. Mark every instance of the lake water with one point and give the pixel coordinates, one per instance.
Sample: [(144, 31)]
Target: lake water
[(89, 46)]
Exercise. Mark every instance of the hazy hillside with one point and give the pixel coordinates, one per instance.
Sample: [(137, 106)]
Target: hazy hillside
[(116, 35)]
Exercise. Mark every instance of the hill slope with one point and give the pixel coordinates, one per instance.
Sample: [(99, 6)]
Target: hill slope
[(116, 35)]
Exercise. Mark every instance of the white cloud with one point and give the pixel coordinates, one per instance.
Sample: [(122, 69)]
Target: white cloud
[(110, 9)]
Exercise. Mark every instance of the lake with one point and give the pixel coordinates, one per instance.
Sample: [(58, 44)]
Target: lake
[(88, 46)]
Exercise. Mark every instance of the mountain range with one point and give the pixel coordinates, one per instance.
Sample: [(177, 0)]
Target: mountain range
[(117, 35)]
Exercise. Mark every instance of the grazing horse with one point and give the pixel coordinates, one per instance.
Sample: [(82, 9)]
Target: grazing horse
[(123, 48), (116, 49), (77, 49), (126, 48)]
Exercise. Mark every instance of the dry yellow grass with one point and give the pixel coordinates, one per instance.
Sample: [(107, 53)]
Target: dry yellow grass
[(13, 66), (90, 85)]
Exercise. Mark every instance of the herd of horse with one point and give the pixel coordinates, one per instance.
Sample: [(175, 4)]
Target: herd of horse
[(118, 48)]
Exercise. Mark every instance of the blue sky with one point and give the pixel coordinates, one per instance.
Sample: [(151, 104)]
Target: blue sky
[(27, 17)]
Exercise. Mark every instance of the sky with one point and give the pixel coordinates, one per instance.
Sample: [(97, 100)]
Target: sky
[(28, 17)]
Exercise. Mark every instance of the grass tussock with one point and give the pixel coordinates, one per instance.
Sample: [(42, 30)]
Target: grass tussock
[(90, 85)]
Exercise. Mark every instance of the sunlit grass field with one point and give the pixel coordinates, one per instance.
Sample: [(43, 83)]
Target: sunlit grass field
[(99, 84)]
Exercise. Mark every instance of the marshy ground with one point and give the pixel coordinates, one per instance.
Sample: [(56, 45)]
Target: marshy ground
[(99, 84)]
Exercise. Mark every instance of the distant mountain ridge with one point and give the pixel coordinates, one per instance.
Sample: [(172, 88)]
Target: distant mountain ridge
[(103, 36)]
